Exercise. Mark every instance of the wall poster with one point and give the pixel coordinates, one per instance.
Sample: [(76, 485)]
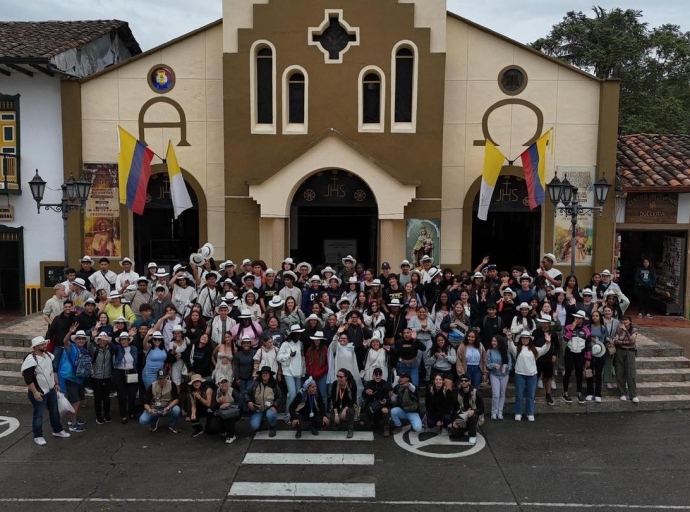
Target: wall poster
[(102, 212), (583, 178), (423, 239)]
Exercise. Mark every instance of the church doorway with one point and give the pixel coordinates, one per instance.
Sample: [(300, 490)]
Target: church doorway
[(511, 233), (158, 236), (333, 214)]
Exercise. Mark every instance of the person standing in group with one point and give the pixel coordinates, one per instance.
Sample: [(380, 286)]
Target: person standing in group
[(625, 341), (576, 353), (645, 279), (101, 377), (526, 355), (291, 359), (499, 362), (43, 387), (75, 368)]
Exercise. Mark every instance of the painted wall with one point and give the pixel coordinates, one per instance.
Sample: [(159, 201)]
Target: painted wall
[(40, 118), (568, 100), (116, 97)]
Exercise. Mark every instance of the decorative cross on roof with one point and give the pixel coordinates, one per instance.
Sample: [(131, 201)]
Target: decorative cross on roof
[(334, 36)]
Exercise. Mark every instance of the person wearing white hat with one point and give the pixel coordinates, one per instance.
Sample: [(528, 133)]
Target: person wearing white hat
[(287, 265), (577, 351), (250, 302), (291, 359), (246, 327), (183, 289), (599, 333), (42, 383), (289, 288), (548, 272), (79, 294), (426, 262), (127, 276), (523, 321), (221, 324), (209, 296), (405, 276), (348, 270), (311, 293), (526, 355), (269, 289), (101, 376), (327, 272), (114, 308), (75, 368), (545, 363), (524, 288), (86, 270)]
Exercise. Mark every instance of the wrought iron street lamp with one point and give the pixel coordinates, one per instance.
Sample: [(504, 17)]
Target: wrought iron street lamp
[(74, 196), (562, 192)]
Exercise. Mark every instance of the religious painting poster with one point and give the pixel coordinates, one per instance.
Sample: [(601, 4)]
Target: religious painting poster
[(583, 178), (102, 213), (423, 239)]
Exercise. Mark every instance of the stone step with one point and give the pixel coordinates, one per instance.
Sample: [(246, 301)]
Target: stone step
[(13, 395), (13, 378), (643, 389), (15, 340), (608, 404), (659, 351), (663, 374), (11, 352), (662, 362), (10, 364)]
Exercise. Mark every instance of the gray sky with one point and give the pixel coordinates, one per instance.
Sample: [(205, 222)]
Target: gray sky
[(155, 22)]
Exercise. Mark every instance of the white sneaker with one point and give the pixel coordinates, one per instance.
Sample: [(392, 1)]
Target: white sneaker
[(540, 384), (518, 417), (62, 434), (444, 431), (636, 400), (623, 398), (500, 416), (472, 440), (610, 385), (229, 440), (39, 441), (597, 399), (553, 384), (639, 315), (88, 391), (494, 416), (530, 417), (589, 398)]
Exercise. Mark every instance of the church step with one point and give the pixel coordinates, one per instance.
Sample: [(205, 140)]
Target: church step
[(10, 364), (11, 352), (662, 362), (15, 340)]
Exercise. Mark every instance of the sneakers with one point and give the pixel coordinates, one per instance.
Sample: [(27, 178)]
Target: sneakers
[(174, 429), (39, 441), (635, 400), (350, 433), (88, 391), (286, 419), (79, 422), (229, 440), (566, 398), (62, 434), (589, 398), (494, 415), (530, 417), (77, 428), (100, 421), (553, 384), (272, 432), (444, 431), (549, 400), (500, 417), (580, 398), (107, 418), (610, 385), (540, 384), (198, 430), (639, 315), (113, 394), (649, 316), (472, 440), (154, 426), (597, 399), (623, 398), (518, 417)]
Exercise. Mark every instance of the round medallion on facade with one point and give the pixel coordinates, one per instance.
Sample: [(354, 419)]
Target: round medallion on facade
[(161, 79), (360, 195), (512, 80), (309, 195)]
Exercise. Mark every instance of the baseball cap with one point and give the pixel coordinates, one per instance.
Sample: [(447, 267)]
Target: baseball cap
[(385, 265), (161, 374)]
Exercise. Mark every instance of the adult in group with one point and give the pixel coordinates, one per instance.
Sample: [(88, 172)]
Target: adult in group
[(125, 376), (405, 399), (526, 355), (291, 359), (576, 353), (439, 405), (316, 362), (343, 399), (645, 279), (499, 362), (201, 402), (43, 386), (263, 397), (471, 359), (161, 401), (101, 376), (625, 342), (548, 272), (75, 368), (376, 402), (223, 401), (546, 362), (155, 358), (441, 358), (407, 349), (469, 411), (307, 409)]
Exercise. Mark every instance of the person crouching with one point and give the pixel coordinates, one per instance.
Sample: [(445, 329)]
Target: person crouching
[(469, 411), (307, 409)]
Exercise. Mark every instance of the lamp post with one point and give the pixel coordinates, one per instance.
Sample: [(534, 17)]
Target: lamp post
[(566, 194), (74, 196)]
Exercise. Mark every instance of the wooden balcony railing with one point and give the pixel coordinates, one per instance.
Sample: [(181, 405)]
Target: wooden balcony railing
[(9, 173)]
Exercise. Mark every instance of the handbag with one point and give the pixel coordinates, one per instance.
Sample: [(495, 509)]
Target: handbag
[(229, 413), (588, 373), (132, 378)]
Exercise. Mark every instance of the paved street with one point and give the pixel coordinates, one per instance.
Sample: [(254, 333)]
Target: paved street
[(639, 460)]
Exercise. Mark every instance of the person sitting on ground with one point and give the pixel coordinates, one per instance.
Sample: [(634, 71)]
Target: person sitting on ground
[(201, 398), (343, 400), (469, 411), (405, 399), (223, 400), (262, 398), (307, 410), (161, 401), (376, 398), (439, 405)]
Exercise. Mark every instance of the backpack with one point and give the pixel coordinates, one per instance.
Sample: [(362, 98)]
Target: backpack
[(83, 364)]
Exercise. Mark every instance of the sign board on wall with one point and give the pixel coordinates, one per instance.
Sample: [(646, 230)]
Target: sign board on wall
[(651, 209), (102, 212), (7, 213), (583, 178), (336, 250)]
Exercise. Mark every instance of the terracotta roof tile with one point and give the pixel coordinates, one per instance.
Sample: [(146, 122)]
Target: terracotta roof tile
[(46, 39), (653, 160)]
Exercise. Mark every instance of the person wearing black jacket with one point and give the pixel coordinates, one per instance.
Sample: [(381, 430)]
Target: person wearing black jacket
[(433, 289), (59, 328), (357, 332), (244, 369), (307, 409), (403, 356), (89, 317), (343, 400), (439, 402), (645, 279), (490, 325), (395, 321), (468, 412), (545, 363), (376, 396)]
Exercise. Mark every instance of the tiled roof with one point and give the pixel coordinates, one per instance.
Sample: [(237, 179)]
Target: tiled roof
[(646, 160), (46, 39)]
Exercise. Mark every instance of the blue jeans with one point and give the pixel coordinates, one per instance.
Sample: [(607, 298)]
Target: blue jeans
[(293, 384), (257, 417), (323, 389), (49, 401), (412, 369), (57, 355), (432, 420), (244, 384), (525, 389), (397, 415), (475, 374), (147, 418)]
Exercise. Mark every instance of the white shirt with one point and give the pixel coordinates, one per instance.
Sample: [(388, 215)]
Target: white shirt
[(525, 363), (44, 370), (103, 281), (182, 296), (269, 358), (127, 360), (292, 366), (217, 328), (125, 276)]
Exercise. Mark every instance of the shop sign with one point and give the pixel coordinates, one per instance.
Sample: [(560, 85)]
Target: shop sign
[(7, 213), (651, 209)]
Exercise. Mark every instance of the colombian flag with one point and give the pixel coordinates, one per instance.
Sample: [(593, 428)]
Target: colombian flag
[(534, 164), (134, 171)]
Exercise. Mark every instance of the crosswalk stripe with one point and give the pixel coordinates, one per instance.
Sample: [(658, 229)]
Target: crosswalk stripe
[(289, 435), (303, 490), (320, 459)]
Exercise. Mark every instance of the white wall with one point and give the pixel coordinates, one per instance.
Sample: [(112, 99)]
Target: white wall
[(40, 132)]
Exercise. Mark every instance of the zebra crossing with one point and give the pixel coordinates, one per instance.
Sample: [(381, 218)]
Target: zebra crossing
[(303, 452)]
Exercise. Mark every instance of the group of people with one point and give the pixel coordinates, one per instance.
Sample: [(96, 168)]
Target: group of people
[(209, 346)]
